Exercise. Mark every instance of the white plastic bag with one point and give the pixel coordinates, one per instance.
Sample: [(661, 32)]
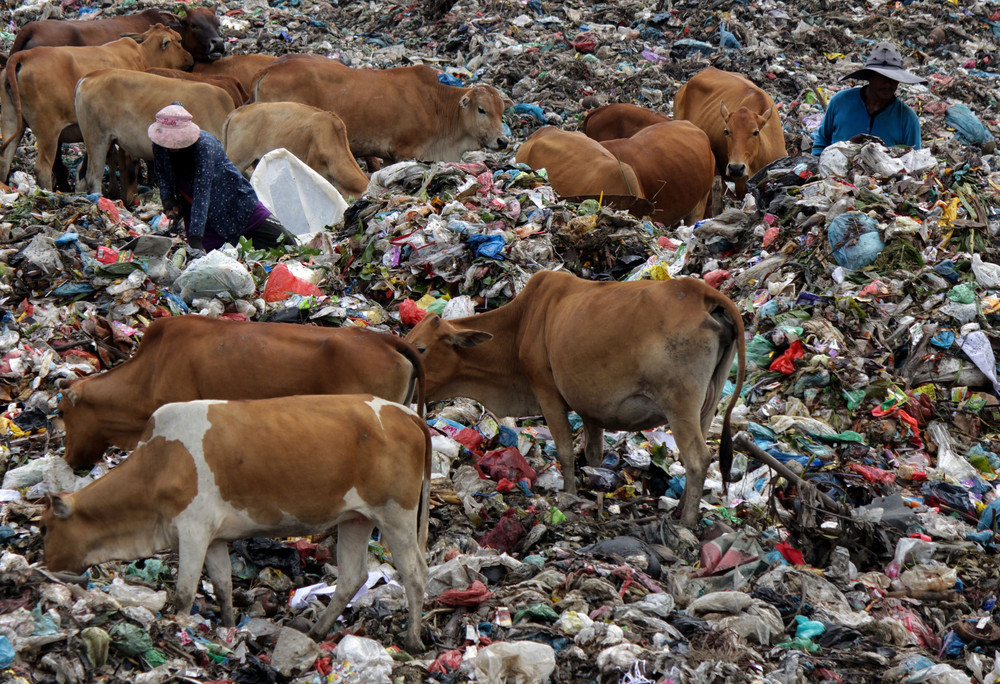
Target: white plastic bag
[(303, 200), (520, 662), (214, 274), (369, 660), (987, 273)]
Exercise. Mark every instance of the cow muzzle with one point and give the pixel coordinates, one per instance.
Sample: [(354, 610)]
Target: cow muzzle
[(736, 170), (218, 50), (499, 143)]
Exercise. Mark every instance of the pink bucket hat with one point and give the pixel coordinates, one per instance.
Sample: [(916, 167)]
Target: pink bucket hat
[(174, 128)]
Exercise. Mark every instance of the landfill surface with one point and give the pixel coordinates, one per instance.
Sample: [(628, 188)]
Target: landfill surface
[(869, 279)]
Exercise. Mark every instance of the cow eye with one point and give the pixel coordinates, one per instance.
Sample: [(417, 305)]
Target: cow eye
[(725, 131), (421, 348), (756, 133), (481, 110)]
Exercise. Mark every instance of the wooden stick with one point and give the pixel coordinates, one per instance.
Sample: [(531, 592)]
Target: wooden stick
[(744, 442)]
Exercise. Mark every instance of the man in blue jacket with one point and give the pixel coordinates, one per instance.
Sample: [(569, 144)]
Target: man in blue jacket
[(199, 183), (872, 109)]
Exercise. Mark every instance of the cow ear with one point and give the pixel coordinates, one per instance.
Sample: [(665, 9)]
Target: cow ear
[(137, 37), (60, 508), (765, 117), (71, 395), (507, 102), (723, 110), (165, 43), (465, 101), (469, 338), (173, 21)]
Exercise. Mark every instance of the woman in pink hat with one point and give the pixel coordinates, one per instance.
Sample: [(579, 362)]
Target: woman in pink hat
[(872, 109), (199, 183)]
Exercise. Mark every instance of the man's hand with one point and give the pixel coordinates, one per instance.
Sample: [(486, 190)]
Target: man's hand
[(196, 248)]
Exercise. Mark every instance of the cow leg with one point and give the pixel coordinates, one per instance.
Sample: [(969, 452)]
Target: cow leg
[(400, 532), (48, 150), (191, 550), (97, 157), (685, 423), (593, 447), (8, 128), (220, 570), (555, 411), (352, 554)]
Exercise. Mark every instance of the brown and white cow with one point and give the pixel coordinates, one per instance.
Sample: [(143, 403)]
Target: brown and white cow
[(316, 136), (619, 120), (39, 86), (673, 161), (739, 118), (624, 356), (230, 84), (193, 357), (198, 28), (118, 105), (244, 68), (577, 165), (210, 472), (393, 114)]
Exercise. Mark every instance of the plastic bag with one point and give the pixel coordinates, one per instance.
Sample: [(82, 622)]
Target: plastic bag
[(214, 274), (524, 662), (928, 577), (369, 660), (283, 282), (855, 240), (303, 200), (969, 130)]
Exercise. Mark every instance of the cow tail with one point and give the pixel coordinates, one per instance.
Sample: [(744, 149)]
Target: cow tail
[(15, 97), (419, 377), (726, 443), (424, 512)]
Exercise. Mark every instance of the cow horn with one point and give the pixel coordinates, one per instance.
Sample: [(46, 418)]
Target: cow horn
[(723, 110)]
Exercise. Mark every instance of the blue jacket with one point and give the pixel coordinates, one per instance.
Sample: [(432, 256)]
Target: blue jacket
[(846, 117), (222, 199)]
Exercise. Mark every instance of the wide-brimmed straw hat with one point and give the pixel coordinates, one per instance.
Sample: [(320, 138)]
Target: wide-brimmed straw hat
[(886, 60), (174, 128)]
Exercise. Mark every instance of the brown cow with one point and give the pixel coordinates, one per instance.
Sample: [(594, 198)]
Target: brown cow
[(624, 356), (230, 84), (210, 472), (118, 105), (619, 120), (577, 165), (242, 67), (746, 134), (193, 357), (673, 161), (39, 86), (199, 30), (398, 113), (316, 136)]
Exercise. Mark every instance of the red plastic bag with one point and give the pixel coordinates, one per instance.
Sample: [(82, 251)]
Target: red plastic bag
[(873, 474), (505, 534), (410, 313), (447, 662), (716, 277), (282, 283), (790, 553), (786, 362), (507, 464), (472, 595)]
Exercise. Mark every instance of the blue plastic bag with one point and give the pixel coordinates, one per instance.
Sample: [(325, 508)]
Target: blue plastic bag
[(487, 245), (855, 240), (969, 130)]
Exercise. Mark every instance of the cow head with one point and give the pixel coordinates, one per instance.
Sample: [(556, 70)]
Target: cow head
[(481, 112), (441, 344), (161, 47), (85, 441), (742, 130), (61, 536), (199, 30)]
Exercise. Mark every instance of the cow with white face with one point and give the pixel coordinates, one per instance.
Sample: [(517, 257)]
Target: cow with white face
[(207, 473)]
